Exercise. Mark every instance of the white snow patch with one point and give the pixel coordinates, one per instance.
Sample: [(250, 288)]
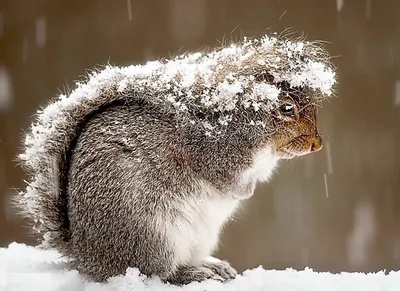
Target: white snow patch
[(316, 75), (27, 268), (227, 94), (266, 91)]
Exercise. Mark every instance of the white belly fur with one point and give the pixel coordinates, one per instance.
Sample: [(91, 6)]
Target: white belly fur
[(264, 163), (194, 236)]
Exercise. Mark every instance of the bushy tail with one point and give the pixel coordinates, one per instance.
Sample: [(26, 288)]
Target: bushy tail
[(47, 149)]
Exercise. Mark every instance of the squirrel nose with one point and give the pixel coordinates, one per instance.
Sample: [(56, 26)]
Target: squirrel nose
[(316, 144)]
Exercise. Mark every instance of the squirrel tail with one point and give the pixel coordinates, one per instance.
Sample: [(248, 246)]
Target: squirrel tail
[(46, 152)]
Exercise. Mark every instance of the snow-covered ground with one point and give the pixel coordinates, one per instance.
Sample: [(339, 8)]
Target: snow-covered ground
[(27, 268)]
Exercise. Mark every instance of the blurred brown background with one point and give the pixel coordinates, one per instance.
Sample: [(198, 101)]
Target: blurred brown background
[(335, 210)]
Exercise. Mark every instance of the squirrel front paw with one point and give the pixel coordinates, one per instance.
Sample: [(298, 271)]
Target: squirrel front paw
[(210, 268), (187, 274), (221, 268)]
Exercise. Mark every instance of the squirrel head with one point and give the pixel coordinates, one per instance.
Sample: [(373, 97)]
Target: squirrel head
[(294, 120), (265, 91)]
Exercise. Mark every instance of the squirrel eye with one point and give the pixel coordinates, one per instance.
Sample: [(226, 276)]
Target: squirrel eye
[(287, 109)]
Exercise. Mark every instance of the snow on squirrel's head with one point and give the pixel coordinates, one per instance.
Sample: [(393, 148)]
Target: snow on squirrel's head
[(265, 87)]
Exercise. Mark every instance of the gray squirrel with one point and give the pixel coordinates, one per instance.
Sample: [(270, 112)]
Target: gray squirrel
[(141, 166)]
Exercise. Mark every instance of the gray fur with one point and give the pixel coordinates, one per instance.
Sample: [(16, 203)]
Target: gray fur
[(131, 170)]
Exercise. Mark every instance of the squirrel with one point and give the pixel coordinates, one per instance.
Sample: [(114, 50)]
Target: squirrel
[(141, 166)]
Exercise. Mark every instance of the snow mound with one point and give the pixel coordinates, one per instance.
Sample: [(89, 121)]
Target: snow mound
[(25, 267)]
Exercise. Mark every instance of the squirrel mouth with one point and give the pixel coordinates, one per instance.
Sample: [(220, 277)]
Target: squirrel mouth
[(287, 154), (295, 148)]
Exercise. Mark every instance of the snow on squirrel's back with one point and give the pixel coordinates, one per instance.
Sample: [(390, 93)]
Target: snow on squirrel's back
[(28, 268)]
